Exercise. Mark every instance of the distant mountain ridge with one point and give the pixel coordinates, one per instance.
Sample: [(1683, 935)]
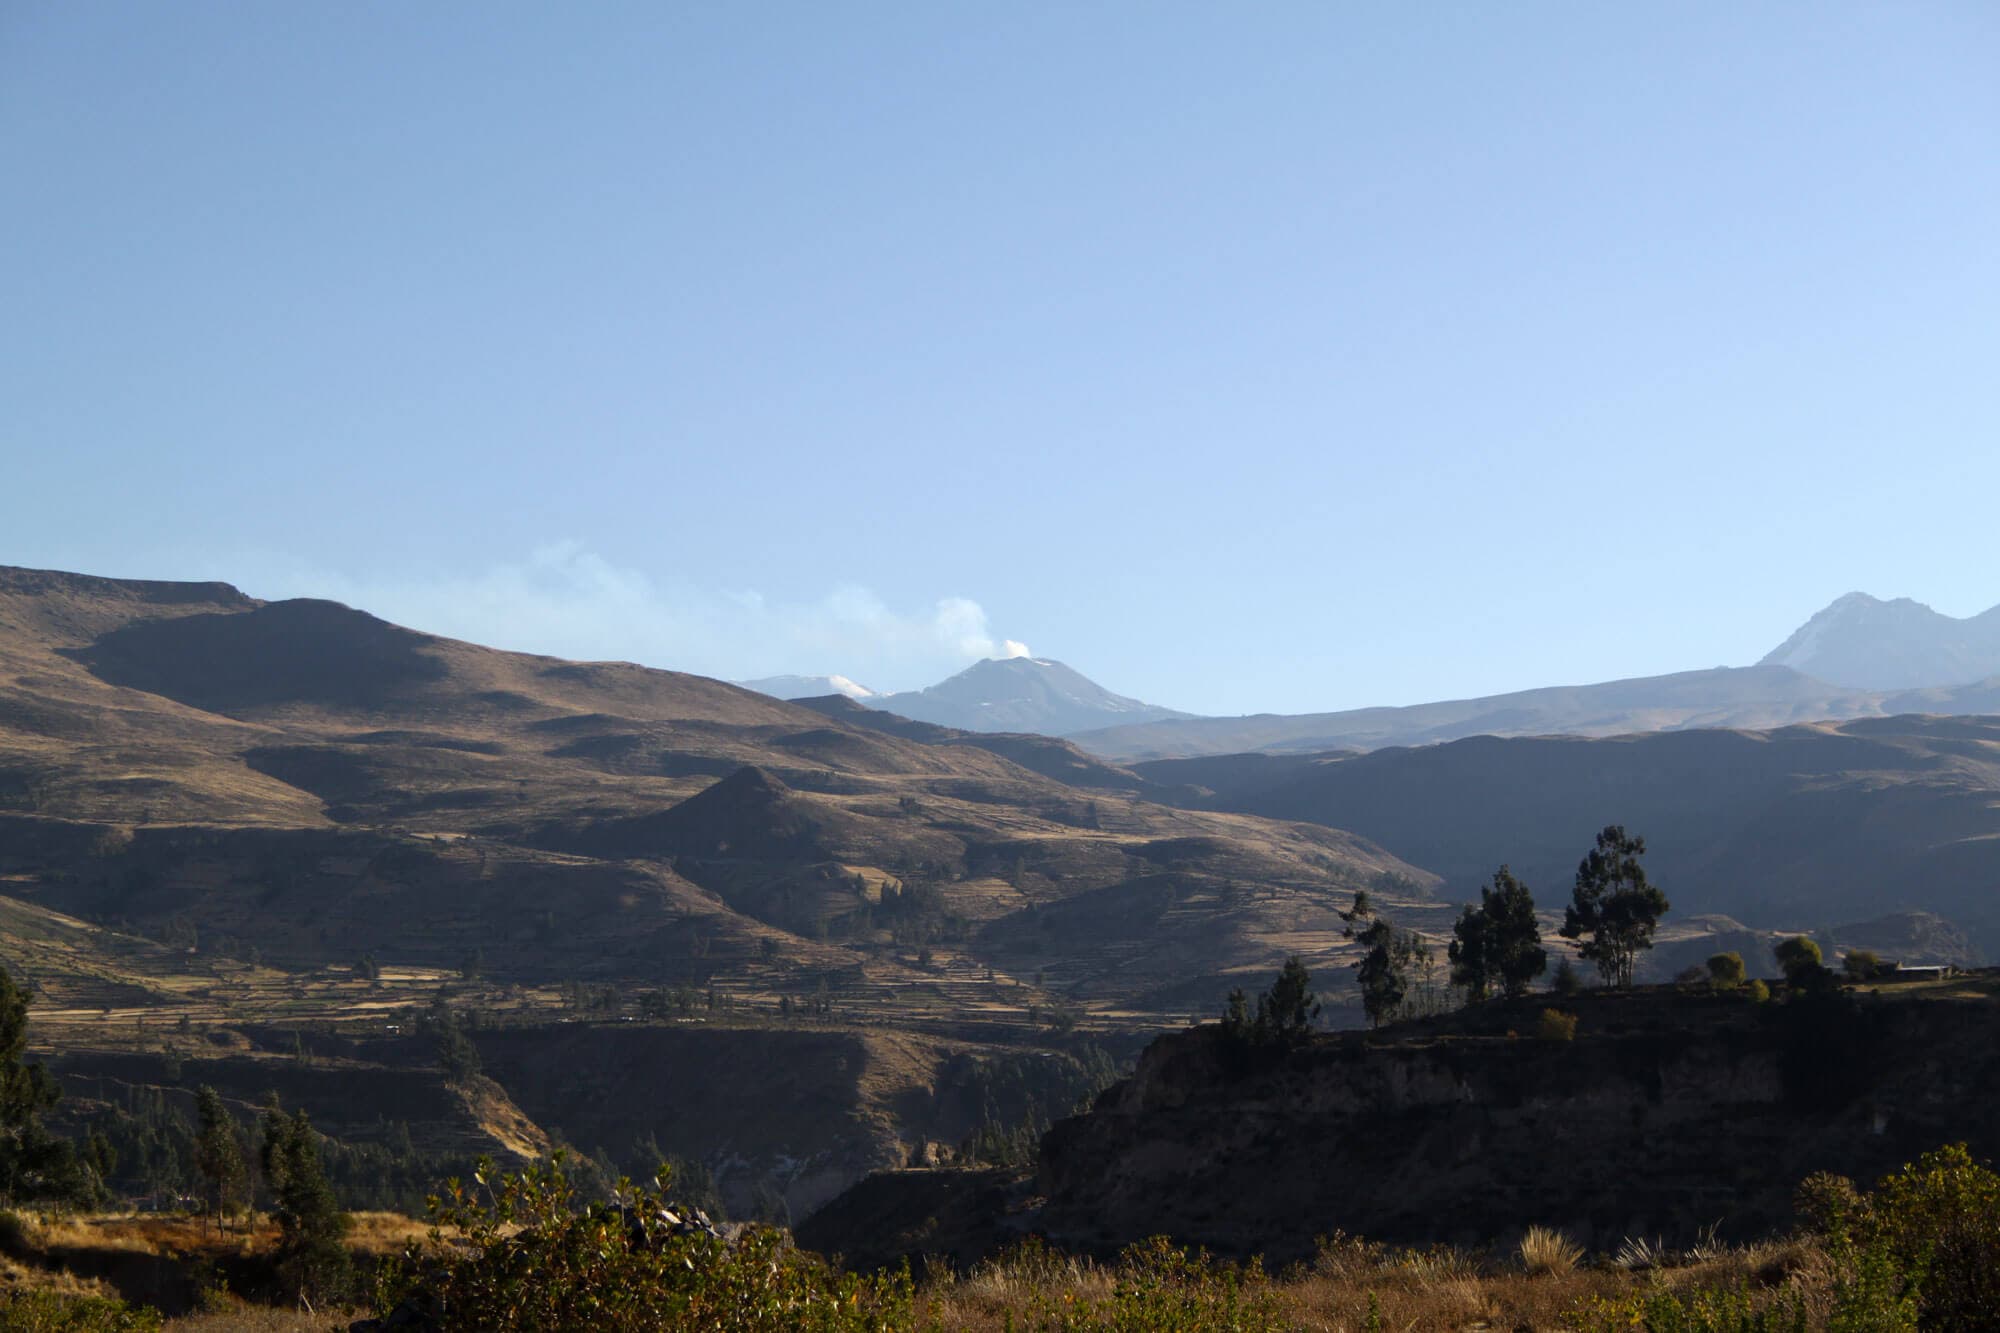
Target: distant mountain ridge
[(1754, 698), (1860, 656), (1865, 643), (807, 687)]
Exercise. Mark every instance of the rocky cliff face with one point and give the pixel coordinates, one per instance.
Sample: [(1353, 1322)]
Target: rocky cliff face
[(1667, 1113)]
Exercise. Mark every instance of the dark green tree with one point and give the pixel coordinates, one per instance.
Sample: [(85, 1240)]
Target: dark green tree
[(1564, 980), (1383, 981), (218, 1154), (100, 1155), (310, 1257), (1471, 952), (1287, 1010), (34, 1164), (1236, 1014), (1517, 934), (1385, 968), (457, 1057), (1499, 942), (1725, 970), (1614, 909)]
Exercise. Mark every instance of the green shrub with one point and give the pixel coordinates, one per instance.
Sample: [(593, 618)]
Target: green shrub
[(1672, 1312), (29, 1310), (1556, 1025), (1799, 959), (1829, 1204), (1939, 1220), (1725, 970), (1758, 992)]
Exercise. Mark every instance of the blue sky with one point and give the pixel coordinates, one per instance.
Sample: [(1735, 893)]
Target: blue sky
[(1277, 358)]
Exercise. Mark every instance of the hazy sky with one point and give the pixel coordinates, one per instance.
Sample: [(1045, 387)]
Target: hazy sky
[(1259, 357)]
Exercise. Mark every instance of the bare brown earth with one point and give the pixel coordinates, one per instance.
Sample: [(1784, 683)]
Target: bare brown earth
[(219, 815)]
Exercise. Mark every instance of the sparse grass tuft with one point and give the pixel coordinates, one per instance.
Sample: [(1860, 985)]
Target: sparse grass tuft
[(1545, 1250), (1644, 1254)]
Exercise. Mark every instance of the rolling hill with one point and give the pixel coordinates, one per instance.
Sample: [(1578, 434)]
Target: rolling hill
[(306, 781), (263, 845)]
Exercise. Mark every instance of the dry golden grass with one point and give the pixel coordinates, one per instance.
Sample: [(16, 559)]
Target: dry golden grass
[(14, 1274), (373, 1233), (1353, 1281), (384, 1233), (1350, 1285), (127, 1233)]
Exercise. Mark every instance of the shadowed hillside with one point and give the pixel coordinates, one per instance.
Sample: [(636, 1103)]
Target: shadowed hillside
[(1799, 827)]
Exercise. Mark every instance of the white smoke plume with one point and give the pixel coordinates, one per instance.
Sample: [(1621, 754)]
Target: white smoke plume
[(567, 601)]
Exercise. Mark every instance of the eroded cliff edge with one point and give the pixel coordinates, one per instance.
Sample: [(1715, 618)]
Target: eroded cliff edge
[(1670, 1111)]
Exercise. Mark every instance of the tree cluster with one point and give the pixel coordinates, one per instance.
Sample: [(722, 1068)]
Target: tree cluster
[(1496, 945), (1284, 1013)]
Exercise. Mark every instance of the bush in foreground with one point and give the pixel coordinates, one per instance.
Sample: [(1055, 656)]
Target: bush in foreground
[(521, 1252), (1935, 1224)]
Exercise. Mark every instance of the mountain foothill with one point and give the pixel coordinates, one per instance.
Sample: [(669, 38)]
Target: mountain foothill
[(294, 830), (290, 831)]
